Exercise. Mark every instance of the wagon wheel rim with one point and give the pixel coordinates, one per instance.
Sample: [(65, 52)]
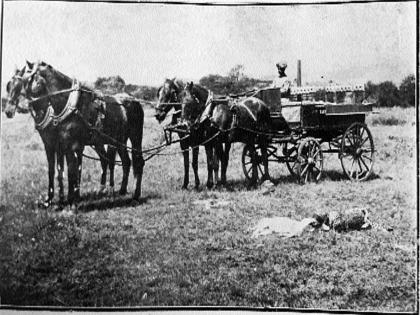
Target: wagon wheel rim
[(291, 154), (357, 152), (247, 160), (310, 161)]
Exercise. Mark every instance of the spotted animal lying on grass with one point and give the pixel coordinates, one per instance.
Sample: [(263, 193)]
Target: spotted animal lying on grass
[(354, 219)]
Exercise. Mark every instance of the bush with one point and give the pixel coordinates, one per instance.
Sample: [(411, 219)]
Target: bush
[(235, 82), (393, 116), (110, 85), (387, 94), (408, 91)]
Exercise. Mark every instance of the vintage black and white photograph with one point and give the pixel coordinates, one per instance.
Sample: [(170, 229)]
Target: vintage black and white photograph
[(222, 155)]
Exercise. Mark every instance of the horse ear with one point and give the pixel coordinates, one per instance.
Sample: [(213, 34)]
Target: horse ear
[(158, 92), (190, 85), (8, 87), (29, 64), (175, 83)]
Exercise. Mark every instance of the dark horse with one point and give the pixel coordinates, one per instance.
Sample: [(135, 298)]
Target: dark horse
[(169, 96), (245, 120), (70, 117)]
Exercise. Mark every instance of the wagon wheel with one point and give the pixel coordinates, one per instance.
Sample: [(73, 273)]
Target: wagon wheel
[(309, 161), (357, 152), (290, 151), (247, 160)]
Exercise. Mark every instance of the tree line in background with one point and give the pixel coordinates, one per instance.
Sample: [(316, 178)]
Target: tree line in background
[(385, 94)]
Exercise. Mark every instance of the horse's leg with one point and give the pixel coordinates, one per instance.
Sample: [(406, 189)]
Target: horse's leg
[(102, 157), (60, 171), (110, 156), (195, 152), (79, 155), (138, 162), (254, 175), (72, 171), (186, 154), (209, 156), (224, 162), (100, 150), (217, 157), (126, 163), (263, 146), (51, 172)]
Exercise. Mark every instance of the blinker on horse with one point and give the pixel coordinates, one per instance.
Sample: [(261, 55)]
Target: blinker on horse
[(73, 127)]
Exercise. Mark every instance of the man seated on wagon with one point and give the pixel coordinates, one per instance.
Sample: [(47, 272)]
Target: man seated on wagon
[(282, 81)]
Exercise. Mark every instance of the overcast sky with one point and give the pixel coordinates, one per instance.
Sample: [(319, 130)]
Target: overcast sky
[(144, 43)]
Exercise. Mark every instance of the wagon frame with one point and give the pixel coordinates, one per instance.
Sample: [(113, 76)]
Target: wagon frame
[(323, 126)]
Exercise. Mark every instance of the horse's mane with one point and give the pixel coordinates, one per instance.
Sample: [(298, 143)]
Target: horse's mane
[(61, 76), (175, 83), (200, 92)]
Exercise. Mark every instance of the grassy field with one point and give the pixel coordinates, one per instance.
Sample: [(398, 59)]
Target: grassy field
[(195, 248)]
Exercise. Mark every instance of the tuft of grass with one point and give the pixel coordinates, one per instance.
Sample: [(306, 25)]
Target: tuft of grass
[(393, 116)]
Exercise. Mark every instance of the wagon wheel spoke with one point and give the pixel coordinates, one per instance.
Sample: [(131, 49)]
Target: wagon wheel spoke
[(363, 142), (367, 157), (349, 140), (351, 169), (363, 162), (260, 169), (305, 169)]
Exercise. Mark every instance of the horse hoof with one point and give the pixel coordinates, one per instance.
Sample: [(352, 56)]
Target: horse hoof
[(184, 187), (102, 189), (135, 201), (209, 185), (44, 204), (123, 192)]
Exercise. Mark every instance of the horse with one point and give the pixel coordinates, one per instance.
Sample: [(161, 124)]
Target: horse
[(81, 117), (169, 95), (15, 90), (246, 120)]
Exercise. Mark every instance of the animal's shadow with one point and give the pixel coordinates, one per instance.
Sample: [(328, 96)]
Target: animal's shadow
[(92, 201), (336, 176)]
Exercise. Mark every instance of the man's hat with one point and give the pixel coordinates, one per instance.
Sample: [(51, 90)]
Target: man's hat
[(281, 65)]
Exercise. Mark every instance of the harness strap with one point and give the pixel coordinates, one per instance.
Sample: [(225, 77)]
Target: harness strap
[(207, 110), (48, 118), (70, 107), (248, 110)]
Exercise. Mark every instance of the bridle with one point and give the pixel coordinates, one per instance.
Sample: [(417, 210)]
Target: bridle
[(49, 116)]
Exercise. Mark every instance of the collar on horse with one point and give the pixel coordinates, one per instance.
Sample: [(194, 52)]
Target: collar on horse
[(50, 117)]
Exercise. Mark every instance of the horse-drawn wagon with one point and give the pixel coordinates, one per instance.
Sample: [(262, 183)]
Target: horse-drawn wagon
[(318, 120)]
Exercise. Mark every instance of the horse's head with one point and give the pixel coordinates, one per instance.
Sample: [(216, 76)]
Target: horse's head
[(167, 94), (15, 89), (194, 100)]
